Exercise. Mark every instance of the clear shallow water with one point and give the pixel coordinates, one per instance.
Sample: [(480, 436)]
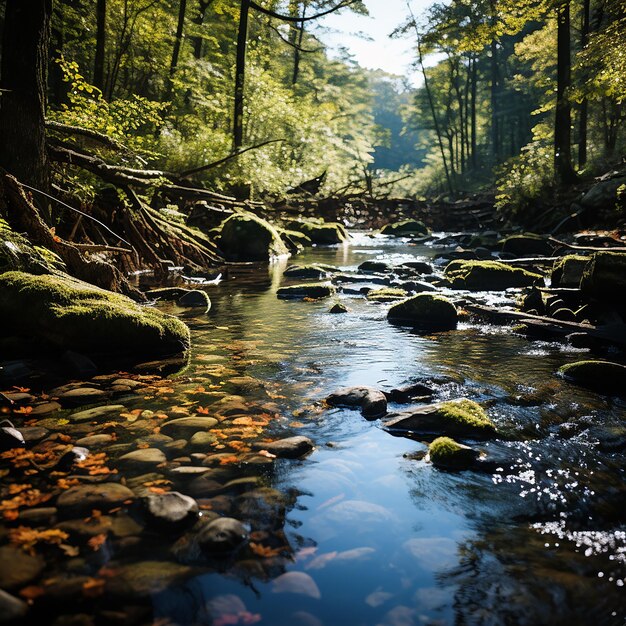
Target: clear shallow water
[(363, 531), (373, 534)]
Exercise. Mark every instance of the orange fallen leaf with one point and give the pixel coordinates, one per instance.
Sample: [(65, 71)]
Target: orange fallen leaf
[(24, 410), (21, 389), (264, 551), (97, 541), (202, 410), (32, 592), (93, 587)]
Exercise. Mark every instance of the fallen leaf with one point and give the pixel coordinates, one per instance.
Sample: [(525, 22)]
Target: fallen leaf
[(93, 587), (97, 541)]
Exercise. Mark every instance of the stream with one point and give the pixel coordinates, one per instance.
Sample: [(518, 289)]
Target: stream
[(364, 531)]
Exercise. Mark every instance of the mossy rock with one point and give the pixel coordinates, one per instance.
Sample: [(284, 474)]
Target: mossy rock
[(405, 228), (455, 418), (386, 294), (295, 240), (425, 310), (602, 376), (488, 276), (246, 237), (306, 271), (311, 290), (321, 233), (17, 253), (374, 266), (604, 277), (338, 307), (182, 297), (568, 270), (528, 244), (74, 315), (446, 453)]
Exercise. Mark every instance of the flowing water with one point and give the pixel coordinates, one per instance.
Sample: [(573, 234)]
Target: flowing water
[(364, 531)]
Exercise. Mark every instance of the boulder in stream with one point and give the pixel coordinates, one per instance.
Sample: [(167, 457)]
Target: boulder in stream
[(170, 511), (314, 272), (461, 418), (489, 276), (604, 278), (372, 402), (287, 448), (319, 232), (445, 453), (528, 244), (568, 270), (602, 376), (405, 228), (246, 237), (72, 314), (310, 290), (425, 311)]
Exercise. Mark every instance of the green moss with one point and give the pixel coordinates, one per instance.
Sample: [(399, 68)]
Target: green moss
[(320, 233), (446, 453), (568, 270), (488, 276), (246, 237), (305, 271), (467, 414), (72, 314), (528, 244), (600, 375), (425, 310), (386, 294), (17, 253), (310, 290), (404, 228), (604, 277), (296, 237)]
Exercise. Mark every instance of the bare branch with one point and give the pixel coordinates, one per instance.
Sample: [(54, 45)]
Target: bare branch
[(288, 18)]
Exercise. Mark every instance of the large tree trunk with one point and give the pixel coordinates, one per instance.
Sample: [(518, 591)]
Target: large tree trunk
[(198, 20), (563, 116), (473, 131), (24, 77), (240, 75), (182, 9), (98, 65), (584, 105)]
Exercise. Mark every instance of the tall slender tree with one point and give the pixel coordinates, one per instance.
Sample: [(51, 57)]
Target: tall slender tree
[(98, 65), (24, 73)]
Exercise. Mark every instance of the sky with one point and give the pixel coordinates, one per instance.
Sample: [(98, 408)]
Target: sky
[(377, 50)]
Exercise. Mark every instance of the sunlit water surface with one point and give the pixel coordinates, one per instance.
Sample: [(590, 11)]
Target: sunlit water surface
[(380, 536)]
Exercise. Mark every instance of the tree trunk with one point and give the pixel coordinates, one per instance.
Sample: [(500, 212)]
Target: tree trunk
[(584, 105), (98, 64), (198, 20), (563, 170), (182, 9), (240, 75), (473, 131), (296, 51), (24, 77)]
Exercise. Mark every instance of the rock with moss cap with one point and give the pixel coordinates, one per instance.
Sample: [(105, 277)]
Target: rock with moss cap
[(488, 276), (294, 240), (568, 270), (246, 237), (603, 376), (425, 310), (446, 453), (320, 232), (72, 314), (311, 290), (386, 294), (604, 278), (528, 244), (405, 228), (314, 272), (456, 418)]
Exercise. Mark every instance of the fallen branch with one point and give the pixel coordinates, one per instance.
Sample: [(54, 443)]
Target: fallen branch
[(572, 246), (105, 140)]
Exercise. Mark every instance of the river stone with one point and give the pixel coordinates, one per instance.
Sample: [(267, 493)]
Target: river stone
[(446, 453), (144, 457), (12, 609), (95, 441), (185, 427), (338, 307), (45, 409), (146, 578), (82, 499), (18, 568), (405, 395), (288, 448), (99, 412), (312, 290), (489, 276), (246, 237), (404, 228), (321, 233), (604, 278), (10, 437), (425, 311), (222, 535), (568, 270), (602, 376), (374, 266), (455, 418), (372, 402), (528, 244), (32, 434), (75, 315), (170, 511), (419, 266), (202, 440)]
